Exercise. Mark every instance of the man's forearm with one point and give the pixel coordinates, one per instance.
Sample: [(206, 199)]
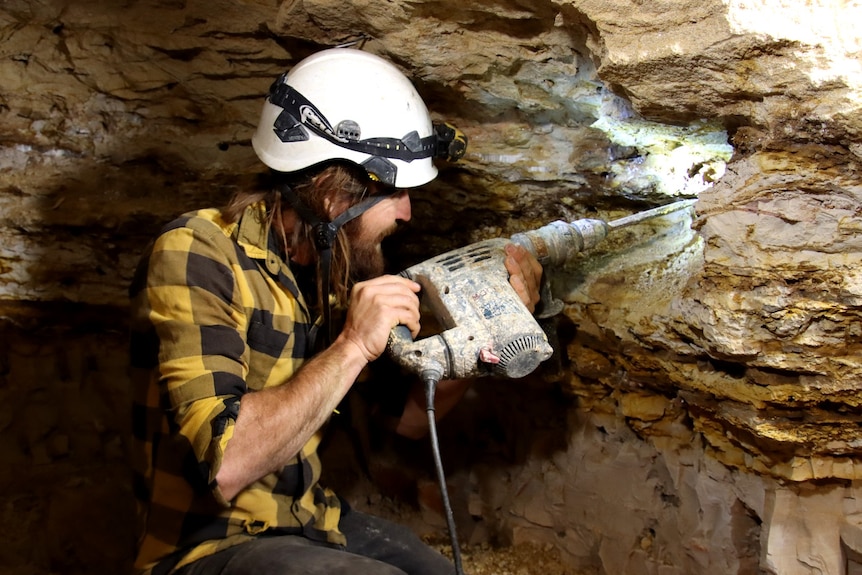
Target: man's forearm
[(273, 424)]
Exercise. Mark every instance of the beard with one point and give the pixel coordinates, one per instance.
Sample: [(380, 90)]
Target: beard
[(366, 254), (367, 261)]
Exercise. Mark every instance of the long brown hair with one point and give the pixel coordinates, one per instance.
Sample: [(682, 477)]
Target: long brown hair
[(341, 182)]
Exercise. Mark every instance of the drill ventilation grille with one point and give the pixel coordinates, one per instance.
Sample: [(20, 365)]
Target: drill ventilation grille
[(458, 260), (521, 356)]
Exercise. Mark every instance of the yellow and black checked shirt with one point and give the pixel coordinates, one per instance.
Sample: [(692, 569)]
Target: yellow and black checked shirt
[(216, 314)]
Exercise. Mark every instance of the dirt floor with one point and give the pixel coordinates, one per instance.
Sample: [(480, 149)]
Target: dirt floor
[(523, 559)]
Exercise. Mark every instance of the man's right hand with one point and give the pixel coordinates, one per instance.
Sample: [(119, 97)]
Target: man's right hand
[(377, 306)]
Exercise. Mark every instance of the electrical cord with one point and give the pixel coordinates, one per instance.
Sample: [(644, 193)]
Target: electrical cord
[(430, 389)]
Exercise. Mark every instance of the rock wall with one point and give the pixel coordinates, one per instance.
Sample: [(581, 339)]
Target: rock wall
[(701, 415)]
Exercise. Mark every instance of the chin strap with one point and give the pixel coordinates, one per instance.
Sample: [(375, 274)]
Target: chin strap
[(325, 233)]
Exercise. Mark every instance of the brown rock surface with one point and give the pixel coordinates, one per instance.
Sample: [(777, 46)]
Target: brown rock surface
[(703, 413)]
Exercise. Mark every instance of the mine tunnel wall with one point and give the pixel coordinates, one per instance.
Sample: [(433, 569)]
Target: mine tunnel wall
[(701, 412)]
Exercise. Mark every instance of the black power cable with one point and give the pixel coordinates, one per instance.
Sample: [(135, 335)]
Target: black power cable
[(430, 389)]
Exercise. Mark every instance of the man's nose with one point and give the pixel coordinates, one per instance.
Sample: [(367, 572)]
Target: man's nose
[(403, 211)]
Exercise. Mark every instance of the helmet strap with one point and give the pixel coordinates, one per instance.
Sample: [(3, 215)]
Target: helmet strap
[(325, 233)]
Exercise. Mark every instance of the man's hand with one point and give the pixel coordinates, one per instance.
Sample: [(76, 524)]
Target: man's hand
[(525, 274), (377, 306)]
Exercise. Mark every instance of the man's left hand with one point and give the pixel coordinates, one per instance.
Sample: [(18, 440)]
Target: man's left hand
[(525, 274)]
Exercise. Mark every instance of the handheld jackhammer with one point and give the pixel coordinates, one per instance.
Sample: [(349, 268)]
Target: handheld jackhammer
[(487, 328)]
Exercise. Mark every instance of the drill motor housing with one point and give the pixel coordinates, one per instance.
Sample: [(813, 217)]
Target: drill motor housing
[(487, 328)]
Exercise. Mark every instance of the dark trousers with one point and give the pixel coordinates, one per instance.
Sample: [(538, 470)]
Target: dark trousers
[(374, 547)]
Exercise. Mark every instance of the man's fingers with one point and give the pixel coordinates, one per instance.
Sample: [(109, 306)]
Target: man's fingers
[(392, 296), (389, 284), (377, 306), (520, 286), (525, 274)]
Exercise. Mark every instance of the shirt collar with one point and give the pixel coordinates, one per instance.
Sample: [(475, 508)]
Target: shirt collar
[(253, 235)]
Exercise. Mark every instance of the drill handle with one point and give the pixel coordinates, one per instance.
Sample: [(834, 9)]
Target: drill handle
[(419, 357)]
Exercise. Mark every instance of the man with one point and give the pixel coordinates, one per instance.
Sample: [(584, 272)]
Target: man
[(236, 358)]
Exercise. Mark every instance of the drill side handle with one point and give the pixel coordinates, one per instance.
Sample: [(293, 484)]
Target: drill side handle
[(548, 305)]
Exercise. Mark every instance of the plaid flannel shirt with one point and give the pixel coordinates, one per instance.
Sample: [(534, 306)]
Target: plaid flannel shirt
[(216, 314)]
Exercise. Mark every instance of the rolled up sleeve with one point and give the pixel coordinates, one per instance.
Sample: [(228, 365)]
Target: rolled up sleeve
[(203, 359)]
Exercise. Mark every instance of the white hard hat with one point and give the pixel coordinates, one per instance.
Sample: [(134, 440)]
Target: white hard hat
[(345, 104)]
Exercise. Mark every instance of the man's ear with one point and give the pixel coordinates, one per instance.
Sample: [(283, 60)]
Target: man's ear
[(334, 206)]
